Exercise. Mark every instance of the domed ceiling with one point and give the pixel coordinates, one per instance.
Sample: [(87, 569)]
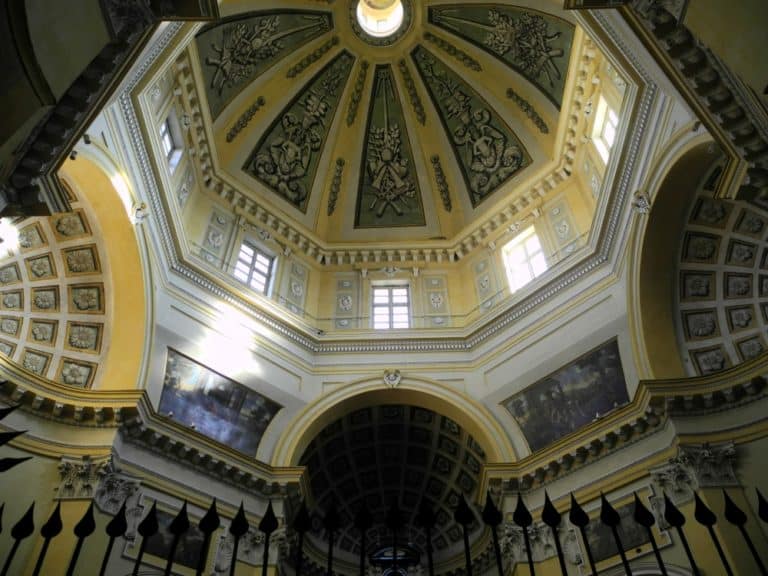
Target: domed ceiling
[(363, 137)]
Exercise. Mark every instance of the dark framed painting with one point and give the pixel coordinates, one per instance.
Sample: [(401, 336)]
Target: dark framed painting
[(214, 405), (600, 536), (188, 548), (571, 397)]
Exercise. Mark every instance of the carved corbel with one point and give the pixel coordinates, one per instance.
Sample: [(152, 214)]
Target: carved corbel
[(79, 477), (697, 466)]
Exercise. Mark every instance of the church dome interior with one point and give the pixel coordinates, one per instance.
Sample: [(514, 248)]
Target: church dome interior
[(383, 287)]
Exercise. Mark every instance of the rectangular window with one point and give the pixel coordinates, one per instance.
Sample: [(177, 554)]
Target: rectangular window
[(254, 267), (605, 128), (391, 307), (524, 259), (170, 147)]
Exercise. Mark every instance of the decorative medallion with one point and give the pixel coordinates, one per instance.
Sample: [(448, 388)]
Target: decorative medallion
[(535, 44), (236, 51), (487, 150), (389, 192), (286, 158)]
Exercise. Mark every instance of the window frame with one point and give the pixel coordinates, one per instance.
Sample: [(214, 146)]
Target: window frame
[(521, 243), (252, 266), (606, 116), (170, 136), (391, 305)]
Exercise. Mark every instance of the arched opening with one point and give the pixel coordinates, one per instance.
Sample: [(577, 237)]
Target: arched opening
[(660, 256)]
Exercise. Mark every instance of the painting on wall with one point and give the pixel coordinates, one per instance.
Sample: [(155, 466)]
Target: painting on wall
[(571, 397), (600, 536), (214, 405), (189, 546)]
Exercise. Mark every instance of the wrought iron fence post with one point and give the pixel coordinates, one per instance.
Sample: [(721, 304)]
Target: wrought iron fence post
[(522, 517), (208, 525), (738, 518), (84, 528), (301, 523), (551, 517), (147, 528), (580, 519), (645, 519), (463, 515), (363, 522), (49, 531), (332, 523), (21, 530), (115, 528), (706, 517), (611, 518), (675, 518), (238, 528), (267, 525), (178, 528), (492, 517)]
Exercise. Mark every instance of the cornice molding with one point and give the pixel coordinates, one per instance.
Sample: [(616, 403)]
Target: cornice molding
[(655, 403), (59, 402), (174, 441)]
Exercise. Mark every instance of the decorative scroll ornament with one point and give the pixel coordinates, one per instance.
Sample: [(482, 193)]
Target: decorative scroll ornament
[(242, 47), (287, 156), (525, 40), (487, 150), (392, 378), (535, 45), (236, 52)]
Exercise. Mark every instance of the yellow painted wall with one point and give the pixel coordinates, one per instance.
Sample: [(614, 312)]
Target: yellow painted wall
[(128, 303)]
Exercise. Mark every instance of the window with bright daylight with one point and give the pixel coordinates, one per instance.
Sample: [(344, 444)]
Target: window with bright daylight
[(391, 307), (524, 259), (605, 128), (172, 151), (254, 267)]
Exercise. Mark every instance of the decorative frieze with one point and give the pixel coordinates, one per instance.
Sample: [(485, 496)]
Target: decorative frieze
[(335, 185), (529, 110), (453, 51), (357, 93), (245, 118), (442, 183), (311, 58), (413, 94)]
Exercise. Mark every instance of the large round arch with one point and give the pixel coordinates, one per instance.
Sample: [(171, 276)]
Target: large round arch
[(671, 187), (411, 390)]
